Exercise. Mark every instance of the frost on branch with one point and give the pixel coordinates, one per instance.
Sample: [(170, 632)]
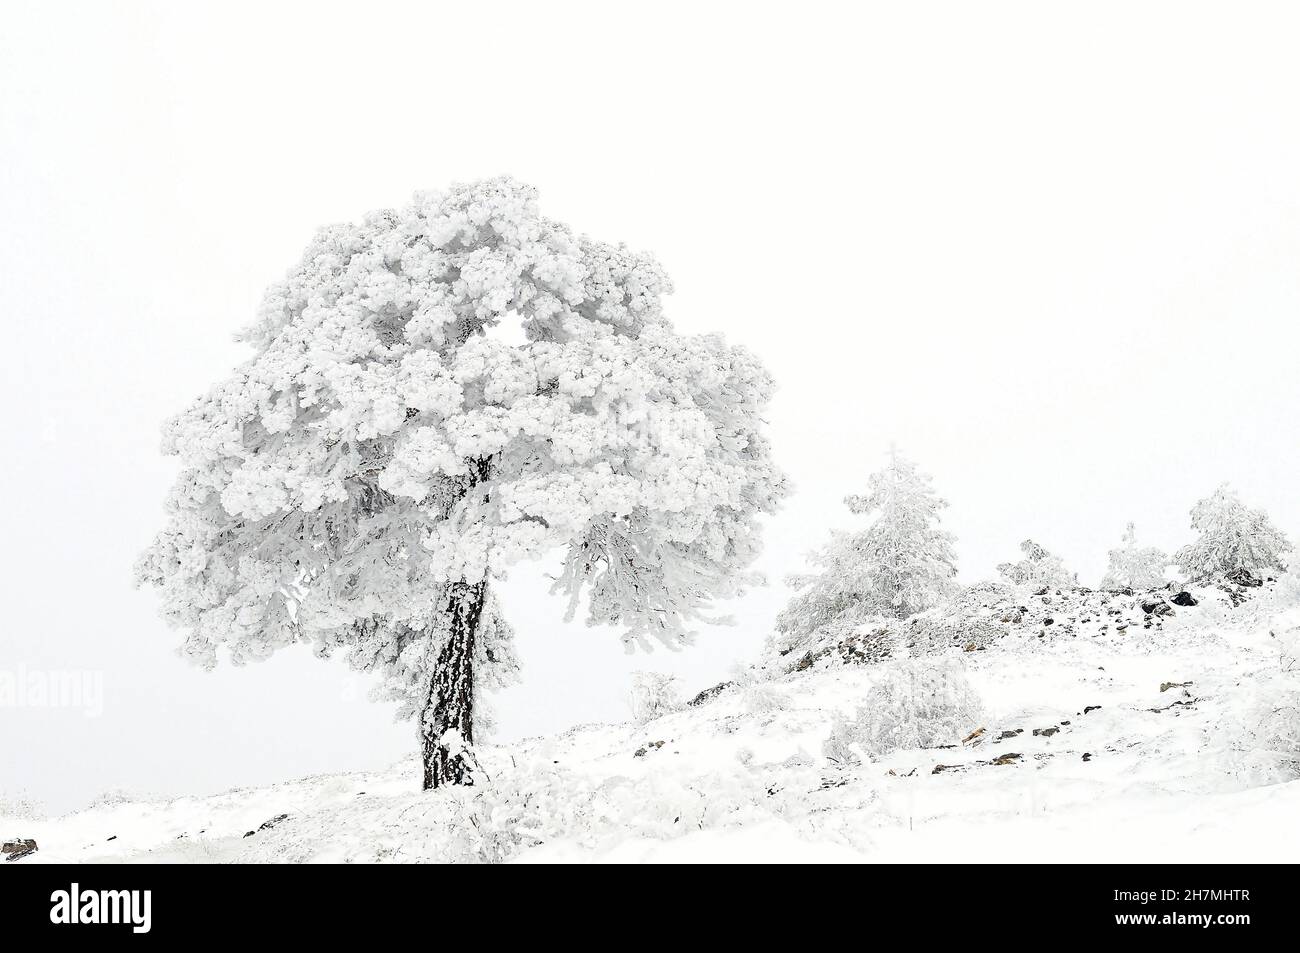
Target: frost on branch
[(914, 704), (1039, 569), (901, 564), (1236, 543), (385, 452), (653, 695), (1135, 567)]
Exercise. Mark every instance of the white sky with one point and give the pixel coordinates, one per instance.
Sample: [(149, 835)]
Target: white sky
[(1051, 253)]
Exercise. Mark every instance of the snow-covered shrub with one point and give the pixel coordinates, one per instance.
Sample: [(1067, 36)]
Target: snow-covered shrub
[(760, 698), (1278, 730), (1266, 728), (899, 565), (1265, 718), (20, 807), (1278, 607), (758, 694), (115, 796), (1289, 650), (653, 694), (1135, 567), (914, 704), (1039, 569), (1236, 543)]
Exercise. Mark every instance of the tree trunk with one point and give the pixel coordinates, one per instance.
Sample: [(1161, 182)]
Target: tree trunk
[(447, 722), (447, 719)]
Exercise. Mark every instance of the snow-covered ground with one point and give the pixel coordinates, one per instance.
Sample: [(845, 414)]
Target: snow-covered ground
[(1131, 773)]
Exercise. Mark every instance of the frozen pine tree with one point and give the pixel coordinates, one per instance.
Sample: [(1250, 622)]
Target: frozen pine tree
[(1135, 567), (1236, 543), (900, 564), (654, 694), (388, 451), (1038, 569)]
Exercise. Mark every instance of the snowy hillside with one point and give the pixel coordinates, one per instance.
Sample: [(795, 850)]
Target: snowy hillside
[(1102, 740)]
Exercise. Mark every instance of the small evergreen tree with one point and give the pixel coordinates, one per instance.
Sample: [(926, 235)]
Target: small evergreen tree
[(1135, 567), (1038, 569), (1236, 543), (901, 564)]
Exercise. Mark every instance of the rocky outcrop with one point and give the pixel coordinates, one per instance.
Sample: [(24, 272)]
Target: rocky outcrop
[(980, 617), (709, 694), (18, 849), (267, 825)]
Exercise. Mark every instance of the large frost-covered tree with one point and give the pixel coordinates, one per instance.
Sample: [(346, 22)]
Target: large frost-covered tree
[(1135, 567), (1236, 543), (900, 564), (387, 452)]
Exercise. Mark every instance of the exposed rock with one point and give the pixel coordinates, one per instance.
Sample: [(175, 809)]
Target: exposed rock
[(1046, 732), (1157, 606), (972, 736), (1189, 703), (1244, 577), (709, 694), (1165, 686), (18, 849), (1087, 756), (267, 825), (1091, 708), (847, 644), (867, 646), (1010, 757), (979, 618), (650, 746)]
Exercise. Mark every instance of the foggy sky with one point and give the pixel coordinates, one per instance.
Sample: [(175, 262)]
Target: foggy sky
[(1051, 254)]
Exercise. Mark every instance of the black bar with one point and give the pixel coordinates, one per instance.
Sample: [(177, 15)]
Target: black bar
[(1045, 904)]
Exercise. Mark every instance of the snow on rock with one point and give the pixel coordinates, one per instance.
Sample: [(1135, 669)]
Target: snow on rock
[(987, 614)]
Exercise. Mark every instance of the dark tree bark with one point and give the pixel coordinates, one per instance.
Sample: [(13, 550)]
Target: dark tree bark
[(447, 719), (450, 703)]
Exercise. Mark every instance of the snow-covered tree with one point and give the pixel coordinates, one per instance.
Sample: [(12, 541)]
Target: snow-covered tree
[(1039, 568), (1236, 543), (900, 564), (387, 452), (1135, 567), (654, 694)]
